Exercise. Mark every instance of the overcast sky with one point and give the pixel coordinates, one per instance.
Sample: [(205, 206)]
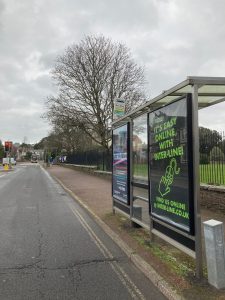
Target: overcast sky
[(171, 38)]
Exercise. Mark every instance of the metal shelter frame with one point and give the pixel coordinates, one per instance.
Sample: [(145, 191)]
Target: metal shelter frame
[(206, 91)]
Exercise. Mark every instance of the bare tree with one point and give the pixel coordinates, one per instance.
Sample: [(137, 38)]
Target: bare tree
[(72, 138), (90, 76)]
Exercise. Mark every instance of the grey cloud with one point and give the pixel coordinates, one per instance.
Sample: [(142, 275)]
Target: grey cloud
[(48, 59), (206, 114), (128, 15), (172, 38), (2, 8), (31, 126), (45, 84)]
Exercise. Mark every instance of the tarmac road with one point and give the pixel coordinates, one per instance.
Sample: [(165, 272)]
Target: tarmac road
[(50, 248)]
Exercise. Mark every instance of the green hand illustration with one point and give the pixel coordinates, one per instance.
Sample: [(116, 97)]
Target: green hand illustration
[(168, 178)]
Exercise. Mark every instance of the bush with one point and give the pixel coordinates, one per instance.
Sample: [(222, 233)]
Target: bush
[(204, 159), (216, 154)]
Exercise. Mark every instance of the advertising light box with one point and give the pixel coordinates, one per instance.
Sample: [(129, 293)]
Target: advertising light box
[(171, 179), (120, 164)]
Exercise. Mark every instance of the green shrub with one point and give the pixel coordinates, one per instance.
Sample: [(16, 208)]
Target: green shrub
[(204, 159), (216, 154)]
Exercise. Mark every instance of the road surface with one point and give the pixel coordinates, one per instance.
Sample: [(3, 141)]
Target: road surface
[(50, 248)]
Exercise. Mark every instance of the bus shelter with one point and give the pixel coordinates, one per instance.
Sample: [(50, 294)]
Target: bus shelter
[(155, 178)]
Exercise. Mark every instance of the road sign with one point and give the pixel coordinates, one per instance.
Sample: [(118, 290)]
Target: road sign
[(119, 108)]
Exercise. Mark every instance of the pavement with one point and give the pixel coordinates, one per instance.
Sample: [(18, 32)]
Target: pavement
[(94, 194)]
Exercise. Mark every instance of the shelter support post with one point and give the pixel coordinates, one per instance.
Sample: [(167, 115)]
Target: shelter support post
[(196, 183), (130, 151), (151, 235)]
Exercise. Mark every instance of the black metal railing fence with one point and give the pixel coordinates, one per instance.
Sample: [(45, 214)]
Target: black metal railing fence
[(212, 158), (100, 158)]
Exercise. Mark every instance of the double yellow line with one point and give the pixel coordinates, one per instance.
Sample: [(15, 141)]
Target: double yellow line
[(122, 275)]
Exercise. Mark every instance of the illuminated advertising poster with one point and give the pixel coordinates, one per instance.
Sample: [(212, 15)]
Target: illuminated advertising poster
[(171, 164), (120, 166)]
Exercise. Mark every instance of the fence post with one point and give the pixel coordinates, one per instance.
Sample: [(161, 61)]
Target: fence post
[(103, 160)]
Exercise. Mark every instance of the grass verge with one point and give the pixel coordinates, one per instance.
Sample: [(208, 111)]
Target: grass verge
[(177, 268)]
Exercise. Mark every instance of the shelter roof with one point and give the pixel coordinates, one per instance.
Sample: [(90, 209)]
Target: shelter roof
[(211, 90)]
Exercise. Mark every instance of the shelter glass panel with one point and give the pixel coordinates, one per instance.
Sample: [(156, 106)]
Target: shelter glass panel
[(140, 146), (140, 169), (212, 89)]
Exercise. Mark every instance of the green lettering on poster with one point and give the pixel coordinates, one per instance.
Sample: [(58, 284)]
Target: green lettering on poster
[(167, 179)]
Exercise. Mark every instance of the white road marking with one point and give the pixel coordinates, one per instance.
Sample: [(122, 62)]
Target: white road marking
[(124, 278), (122, 275)]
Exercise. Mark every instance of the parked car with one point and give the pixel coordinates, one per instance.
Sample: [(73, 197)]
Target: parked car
[(7, 160), (13, 161)]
